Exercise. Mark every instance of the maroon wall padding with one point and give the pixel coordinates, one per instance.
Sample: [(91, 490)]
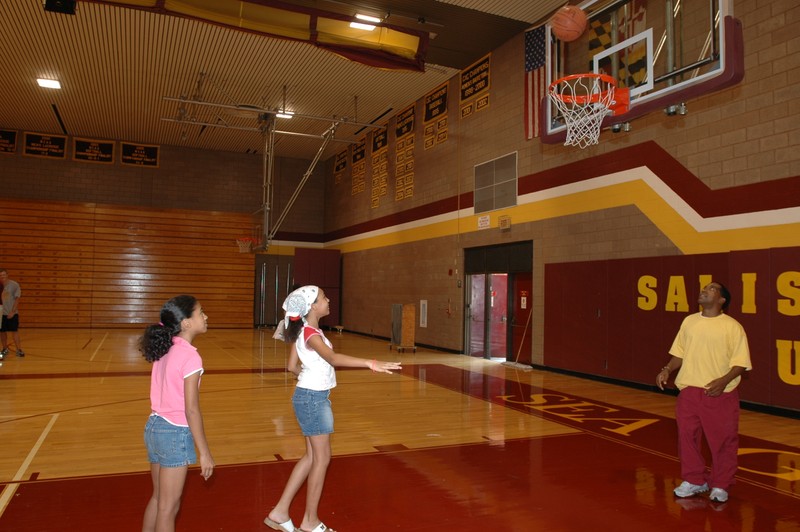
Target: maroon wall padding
[(321, 267), (594, 324)]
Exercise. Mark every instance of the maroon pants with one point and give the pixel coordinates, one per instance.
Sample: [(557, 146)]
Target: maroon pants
[(716, 418)]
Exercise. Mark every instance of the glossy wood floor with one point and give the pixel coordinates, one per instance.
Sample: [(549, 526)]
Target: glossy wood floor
[(451, 443)]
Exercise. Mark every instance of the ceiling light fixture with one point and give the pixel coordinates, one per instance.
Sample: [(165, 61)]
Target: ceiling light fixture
[(284, 114), (49, 83), (368, 18), (362, 25)]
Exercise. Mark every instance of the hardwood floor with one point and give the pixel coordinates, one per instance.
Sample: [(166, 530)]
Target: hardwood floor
[(450, 443)]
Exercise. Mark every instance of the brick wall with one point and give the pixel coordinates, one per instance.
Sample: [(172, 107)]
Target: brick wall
[(745, 134)]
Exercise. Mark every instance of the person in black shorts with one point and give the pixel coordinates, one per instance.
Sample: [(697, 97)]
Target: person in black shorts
[(10, 323)]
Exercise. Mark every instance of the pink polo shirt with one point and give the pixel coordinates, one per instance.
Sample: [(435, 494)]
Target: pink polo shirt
[(166, 380)]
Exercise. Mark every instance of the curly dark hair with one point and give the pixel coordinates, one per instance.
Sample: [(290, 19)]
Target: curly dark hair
[(157, 338)]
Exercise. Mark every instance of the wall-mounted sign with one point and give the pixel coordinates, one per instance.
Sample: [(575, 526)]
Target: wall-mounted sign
[(49, 146), (93, 151), (139, 155), (8, 141)]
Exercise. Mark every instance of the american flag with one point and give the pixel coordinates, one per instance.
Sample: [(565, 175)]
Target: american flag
[(534, 79)]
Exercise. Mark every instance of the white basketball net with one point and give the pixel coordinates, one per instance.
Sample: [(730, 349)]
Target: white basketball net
[(583, 102), (244, 244)]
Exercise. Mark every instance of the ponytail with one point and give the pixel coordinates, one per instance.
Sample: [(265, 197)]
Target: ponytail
[(157, 338)]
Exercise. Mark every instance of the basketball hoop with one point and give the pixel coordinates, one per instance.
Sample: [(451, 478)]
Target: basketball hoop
[(245, 244), (584, 100)]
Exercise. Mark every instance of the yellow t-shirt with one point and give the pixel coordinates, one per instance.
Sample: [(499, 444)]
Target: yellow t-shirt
[(709, 347)]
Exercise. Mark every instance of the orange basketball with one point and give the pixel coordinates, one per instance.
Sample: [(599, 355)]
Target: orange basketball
[(568, 23)]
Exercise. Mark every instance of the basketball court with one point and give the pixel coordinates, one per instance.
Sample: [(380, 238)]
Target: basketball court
[(471, 445), (451, 442)]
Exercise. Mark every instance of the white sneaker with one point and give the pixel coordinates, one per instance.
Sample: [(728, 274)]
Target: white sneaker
[(718, 495), (687, 489)]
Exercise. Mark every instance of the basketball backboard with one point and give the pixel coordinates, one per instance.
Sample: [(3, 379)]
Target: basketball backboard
[(664, 52)]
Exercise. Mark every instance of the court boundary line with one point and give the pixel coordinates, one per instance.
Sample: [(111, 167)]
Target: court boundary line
[(11, 488)]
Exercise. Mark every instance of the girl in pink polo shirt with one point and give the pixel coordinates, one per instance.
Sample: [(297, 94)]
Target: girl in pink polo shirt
[(175, 424)]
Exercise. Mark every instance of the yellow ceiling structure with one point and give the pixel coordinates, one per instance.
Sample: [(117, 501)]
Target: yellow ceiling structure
[(386, 46)]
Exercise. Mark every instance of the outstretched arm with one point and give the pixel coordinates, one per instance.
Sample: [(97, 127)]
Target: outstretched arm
[(346, 361)]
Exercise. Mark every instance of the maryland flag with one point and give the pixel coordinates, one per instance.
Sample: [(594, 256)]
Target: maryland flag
[(633, 61)]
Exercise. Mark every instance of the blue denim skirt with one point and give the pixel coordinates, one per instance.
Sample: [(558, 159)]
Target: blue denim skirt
[(313, 411), (168, 445)]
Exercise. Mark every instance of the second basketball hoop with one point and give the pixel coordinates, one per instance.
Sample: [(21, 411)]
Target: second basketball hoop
[(583, 101)]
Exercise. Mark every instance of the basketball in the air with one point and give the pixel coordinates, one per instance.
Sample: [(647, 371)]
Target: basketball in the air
[(568, 23)]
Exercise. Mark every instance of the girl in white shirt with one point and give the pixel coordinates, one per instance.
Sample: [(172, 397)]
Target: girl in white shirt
[(312, 359)]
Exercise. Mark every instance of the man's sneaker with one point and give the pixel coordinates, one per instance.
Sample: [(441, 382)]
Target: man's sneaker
[(2, 355), (20, 353), (4, 352), (687, 489), (718, 495)]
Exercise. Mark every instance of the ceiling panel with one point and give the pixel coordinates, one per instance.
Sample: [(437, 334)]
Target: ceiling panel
[(117, 66)]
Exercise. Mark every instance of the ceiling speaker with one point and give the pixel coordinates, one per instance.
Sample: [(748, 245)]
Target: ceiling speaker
[(60, 6)]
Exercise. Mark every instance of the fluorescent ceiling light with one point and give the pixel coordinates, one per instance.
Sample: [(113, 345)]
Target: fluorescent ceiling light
[(360, 26), (49, 83), (367, 18), (284, 114)]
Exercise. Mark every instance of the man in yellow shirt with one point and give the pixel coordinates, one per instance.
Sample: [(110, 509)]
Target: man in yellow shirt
[(711, 352)]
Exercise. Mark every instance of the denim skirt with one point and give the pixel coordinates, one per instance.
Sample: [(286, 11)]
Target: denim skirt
[(313, 411), (168, 445)]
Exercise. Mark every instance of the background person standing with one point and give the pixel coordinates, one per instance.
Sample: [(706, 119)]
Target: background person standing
[(10, 322), (712, 353)]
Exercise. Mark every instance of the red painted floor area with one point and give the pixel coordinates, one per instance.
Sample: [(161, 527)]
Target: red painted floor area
[(617, 474)]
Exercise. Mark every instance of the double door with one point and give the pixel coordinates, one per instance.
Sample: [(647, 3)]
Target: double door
[(498, 316)]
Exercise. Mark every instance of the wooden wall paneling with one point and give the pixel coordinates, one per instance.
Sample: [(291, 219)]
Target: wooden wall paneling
[(48, 248), (153, 255), (88, 265)]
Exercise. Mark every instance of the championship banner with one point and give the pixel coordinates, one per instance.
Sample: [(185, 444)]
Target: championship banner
[(380, 166), (8, 141), (93, 151), (435, 103), (339, 166), (341, 162), (404, 168), (475, 83), (476, 79), (139, 155), (404, 124), (358, 175), (48, 146), (404, 155), (435, 118)]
